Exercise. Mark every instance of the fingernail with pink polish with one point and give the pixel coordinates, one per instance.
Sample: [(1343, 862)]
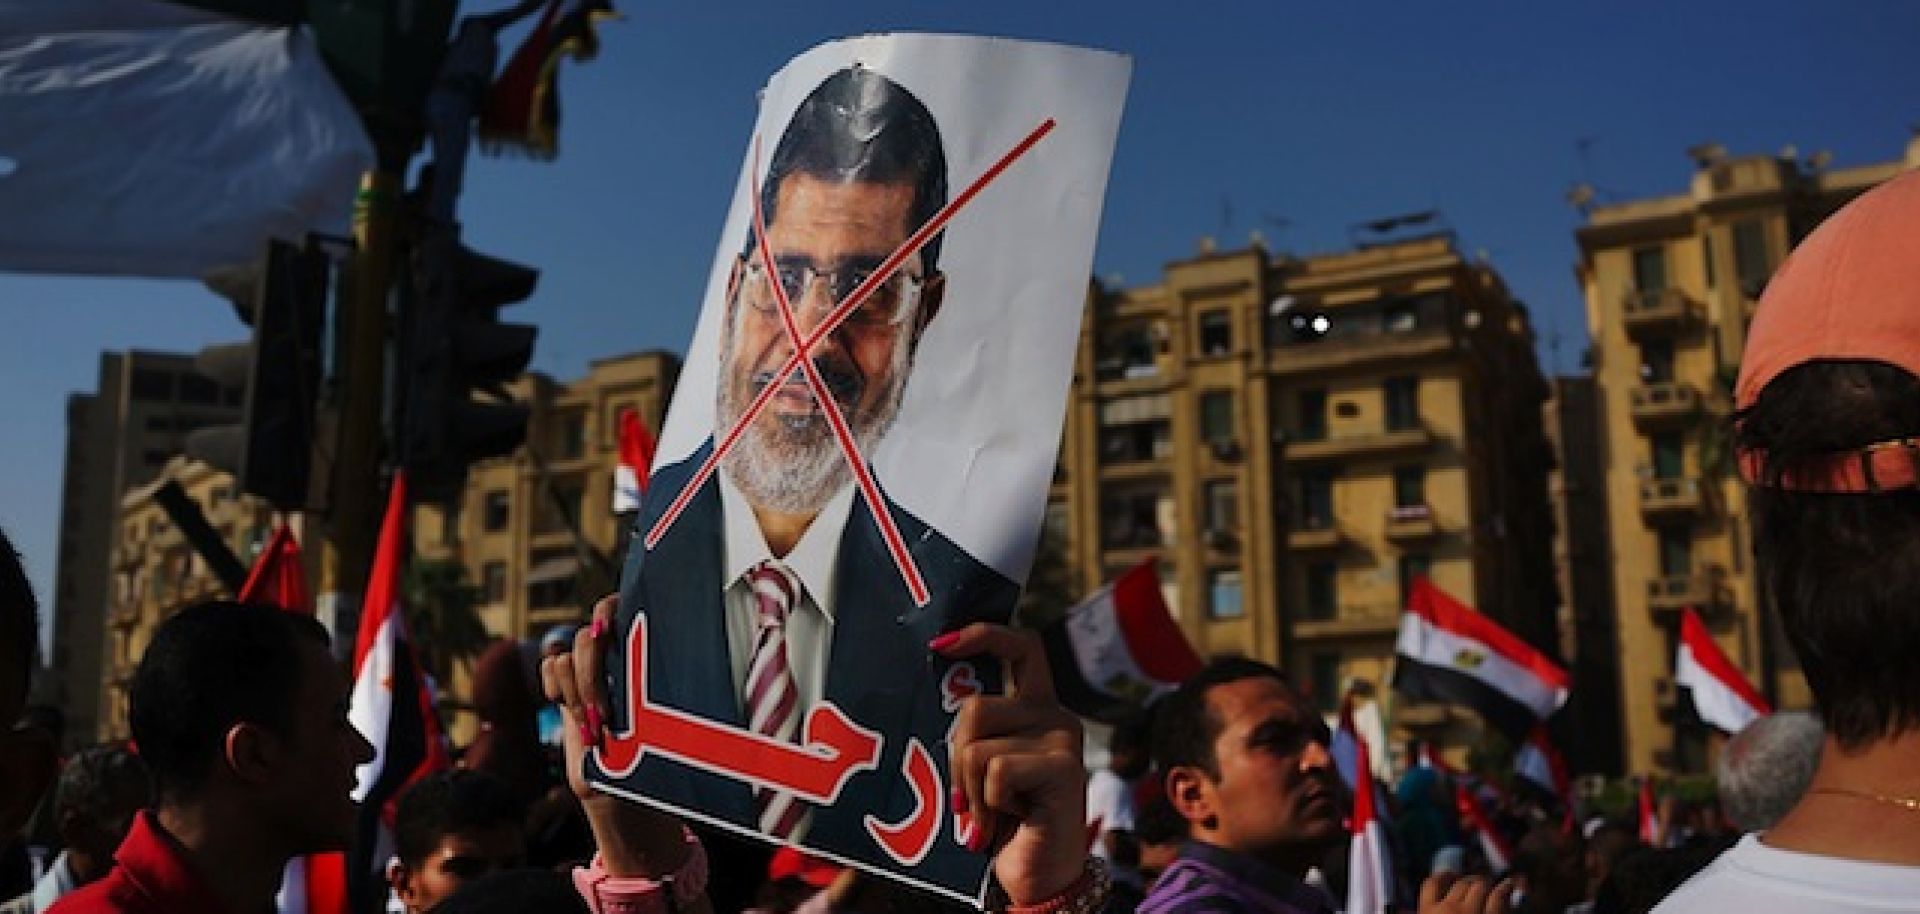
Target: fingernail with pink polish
[(943, 642), (598, 628), (959, 799), (593, 723)]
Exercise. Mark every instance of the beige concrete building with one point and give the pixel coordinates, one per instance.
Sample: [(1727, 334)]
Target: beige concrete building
[(1293, 439), (536, 530), (118, 437), (156, 572), (1670, 286)]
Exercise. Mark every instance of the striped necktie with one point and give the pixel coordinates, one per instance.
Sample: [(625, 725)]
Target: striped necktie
[(772, 702)]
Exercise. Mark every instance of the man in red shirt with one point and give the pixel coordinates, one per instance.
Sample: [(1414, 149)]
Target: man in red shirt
[(241, 715)]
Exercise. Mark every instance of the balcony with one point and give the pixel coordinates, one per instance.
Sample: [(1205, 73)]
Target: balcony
[(1352, 621), (1411, 523), (1664, 404), (1663, 313), (1314, 535), (1669, 594), (1384, 443), (1670, 498), (1309, 356)]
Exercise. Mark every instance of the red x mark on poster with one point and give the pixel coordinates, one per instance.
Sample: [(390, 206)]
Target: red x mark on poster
[(801, 359)]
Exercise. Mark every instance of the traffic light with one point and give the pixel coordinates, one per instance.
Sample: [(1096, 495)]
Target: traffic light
[(456, 358), (270, 450)]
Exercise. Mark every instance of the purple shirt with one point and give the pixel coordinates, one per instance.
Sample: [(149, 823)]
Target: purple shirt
[(1209, 880)]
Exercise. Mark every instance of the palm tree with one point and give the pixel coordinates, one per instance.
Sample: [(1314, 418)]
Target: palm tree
[(441, 614)]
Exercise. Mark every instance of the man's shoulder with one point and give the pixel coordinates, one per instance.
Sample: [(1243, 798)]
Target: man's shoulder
[(113, 893), (1754, 878)]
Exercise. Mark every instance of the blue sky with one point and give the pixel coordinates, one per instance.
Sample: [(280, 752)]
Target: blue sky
[(1298, 120)]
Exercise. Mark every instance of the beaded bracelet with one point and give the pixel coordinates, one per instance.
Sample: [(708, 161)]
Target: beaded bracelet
[(1084, 896)]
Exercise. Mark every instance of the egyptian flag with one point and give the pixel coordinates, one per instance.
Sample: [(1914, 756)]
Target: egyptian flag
[(1369, 865), (1429, 757), (636, 461), (315, 884), (1721, 696), (1449, 652), (1118, 649), (1474, 819), (1649, 817), (1540, 763), (392, 707), (522, 112)]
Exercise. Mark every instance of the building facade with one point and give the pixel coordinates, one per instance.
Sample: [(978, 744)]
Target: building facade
[(119, 437), (1293, 440), (156, 572), (535, 530), (1670, 285)]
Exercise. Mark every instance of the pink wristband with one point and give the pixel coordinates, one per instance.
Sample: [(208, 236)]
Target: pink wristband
[(607, 894)]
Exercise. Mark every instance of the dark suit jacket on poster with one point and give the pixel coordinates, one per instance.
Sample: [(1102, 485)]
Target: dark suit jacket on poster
[(880, 672)]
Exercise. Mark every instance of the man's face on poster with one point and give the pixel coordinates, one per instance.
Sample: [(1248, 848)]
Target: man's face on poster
[(826, 237)]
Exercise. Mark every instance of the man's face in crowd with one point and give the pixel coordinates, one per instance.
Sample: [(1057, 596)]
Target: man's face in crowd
[(318, 755), (1278, 790), (825, 235), (457, 859)]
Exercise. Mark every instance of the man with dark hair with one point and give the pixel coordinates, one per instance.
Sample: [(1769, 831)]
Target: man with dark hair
[(1246, 763), (27, 753), (101, 789), (240, 713), (777, 567), (451, 829), (1827, 430)]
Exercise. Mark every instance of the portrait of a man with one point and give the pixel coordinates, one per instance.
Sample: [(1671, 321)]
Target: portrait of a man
[(774, 590)]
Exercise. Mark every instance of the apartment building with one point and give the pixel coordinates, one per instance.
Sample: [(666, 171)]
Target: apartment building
[(1293, 439), (1670, 285)]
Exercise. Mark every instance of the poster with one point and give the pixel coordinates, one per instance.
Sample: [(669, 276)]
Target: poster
[(916, 214)]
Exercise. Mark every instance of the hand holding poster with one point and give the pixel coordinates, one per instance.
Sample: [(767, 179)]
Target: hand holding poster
[(856, 458)]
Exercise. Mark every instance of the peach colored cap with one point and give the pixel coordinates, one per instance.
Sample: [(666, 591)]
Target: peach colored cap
[(1850, 291)]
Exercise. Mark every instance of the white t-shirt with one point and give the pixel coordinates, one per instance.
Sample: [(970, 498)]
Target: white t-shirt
[(1753, 878), (1109, 804)]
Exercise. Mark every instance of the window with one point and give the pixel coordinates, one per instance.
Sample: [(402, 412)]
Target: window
[(1222, 504), (450, 522), (1312, 423), (1413, 565), (1223, 594), (559, 507), (1410, 487), (1323, 680), (1751, 264), (1706, 257), (1216, 333), (494, 513), (199, 389), (1128, 352), (1316, 500), (1216, 417), (1323, 596), (1400, 317), (1403, 403), (573, 436), (493, 582), (150, 384), (1650, 269), (1130, 520), (1656, 361), (1676, 551), (1135, 442), (1669, 449)]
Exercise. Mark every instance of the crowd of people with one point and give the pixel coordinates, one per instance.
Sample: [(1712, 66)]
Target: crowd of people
[(243, 756)]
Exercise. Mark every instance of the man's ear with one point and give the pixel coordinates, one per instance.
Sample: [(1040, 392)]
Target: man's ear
[(28, 762), (1187, 791), (401, 879), (931, 295), (252, 752)]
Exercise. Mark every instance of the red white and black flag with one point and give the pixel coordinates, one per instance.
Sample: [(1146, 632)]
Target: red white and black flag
[(1721, 696), (1369, 863), (1449, 652), (392, 707), (522, 112), (1474, 819), (636, 461), (1118, 649)]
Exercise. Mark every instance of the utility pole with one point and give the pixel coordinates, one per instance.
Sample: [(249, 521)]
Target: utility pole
[(356, 493)]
